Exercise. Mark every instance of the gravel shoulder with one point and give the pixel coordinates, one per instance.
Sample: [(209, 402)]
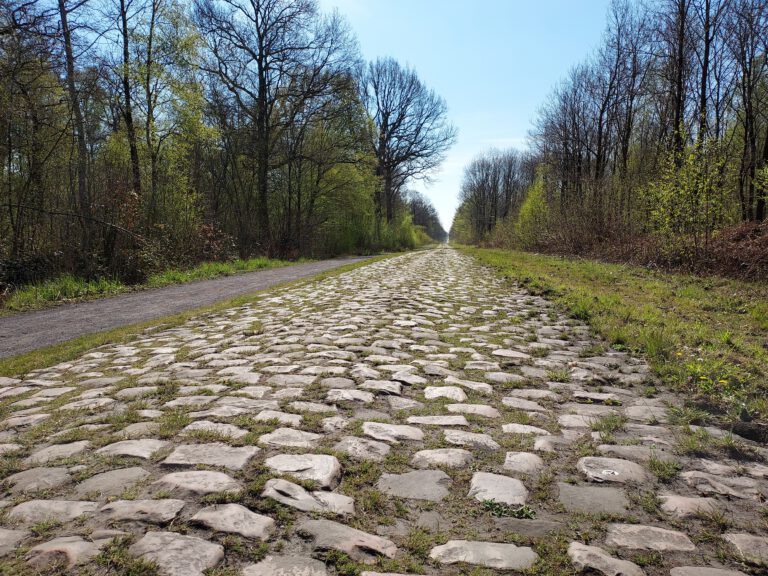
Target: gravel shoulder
[(30, 331)]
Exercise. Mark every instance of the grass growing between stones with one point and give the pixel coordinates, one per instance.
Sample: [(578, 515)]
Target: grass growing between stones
[(23, 363), (704, 337)]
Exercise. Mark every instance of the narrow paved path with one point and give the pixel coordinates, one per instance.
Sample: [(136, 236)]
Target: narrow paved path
[(412, 416), (34, 330)]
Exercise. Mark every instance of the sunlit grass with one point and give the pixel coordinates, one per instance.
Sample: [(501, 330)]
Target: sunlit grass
[(208, 270), (61, 289), (705, 336), (68, 288)]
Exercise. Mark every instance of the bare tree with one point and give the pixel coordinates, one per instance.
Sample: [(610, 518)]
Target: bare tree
[(412, 132), (270, 56), (83, 191)]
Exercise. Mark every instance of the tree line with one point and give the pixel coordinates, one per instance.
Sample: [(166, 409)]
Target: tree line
[(141, 134), (658, 138)]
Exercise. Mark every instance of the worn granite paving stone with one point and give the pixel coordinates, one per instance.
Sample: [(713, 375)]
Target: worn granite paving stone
[(177, 554), (235, 519), (407, 403)]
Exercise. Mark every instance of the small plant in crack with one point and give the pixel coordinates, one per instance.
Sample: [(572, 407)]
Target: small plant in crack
[(501, 510)]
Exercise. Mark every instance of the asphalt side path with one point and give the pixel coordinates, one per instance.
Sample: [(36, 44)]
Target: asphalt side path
[(30, 331)]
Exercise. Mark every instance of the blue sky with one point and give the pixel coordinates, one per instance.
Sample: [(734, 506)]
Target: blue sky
[(494, 62)]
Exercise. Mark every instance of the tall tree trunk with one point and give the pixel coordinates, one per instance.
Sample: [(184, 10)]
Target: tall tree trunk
[(679, 85), (128, 108), (704, 74), (149, 125), (83, 193), (263, 157)]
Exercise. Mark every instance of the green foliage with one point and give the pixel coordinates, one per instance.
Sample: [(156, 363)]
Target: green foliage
[(687, 202), (531, 224), (61, 289), (501, 510), (67, 287)]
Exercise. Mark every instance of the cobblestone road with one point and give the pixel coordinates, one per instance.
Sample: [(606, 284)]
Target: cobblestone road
[(416, 415)]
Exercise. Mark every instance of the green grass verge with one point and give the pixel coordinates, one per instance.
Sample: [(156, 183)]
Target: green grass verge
[(704, 336), (68, 288), (23, 363)]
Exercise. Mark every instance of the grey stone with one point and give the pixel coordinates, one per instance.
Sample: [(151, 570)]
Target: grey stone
[(752, 549), (533, 394), (321, 468), (358, 545), (522, 404), (280, 417), (473, 439), (254, 391), (438, 420), (297, 497), (150, 511), (429, 485), (300, 380), (111, 483), (334, 424), (38, 479), (9, 539), (217, 428), (214, 454), (392, 432), (56, 451), (290, 438), (601, 397), (703, 571), (636, 453), (451, 392), (523, 463), (235, 519), (34, 511), (524, 429), (442, 457), (684, 507), (136, 392), (638, 537), (347, 395), (178, 555), (197, 482), (363, 448), (593, 499), (596, 559), (137, 448), (488, 554), (337, 383), (24, 421), (499, 488), (576, 420), (648, 414), (511, 356), (185, 401), (9, 448), (400, 403), (312, 407), (383, 386), (69, 550), (286, 566), (139, 430), (480, 387), (737, 486), (598, 469), (474, 409)]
